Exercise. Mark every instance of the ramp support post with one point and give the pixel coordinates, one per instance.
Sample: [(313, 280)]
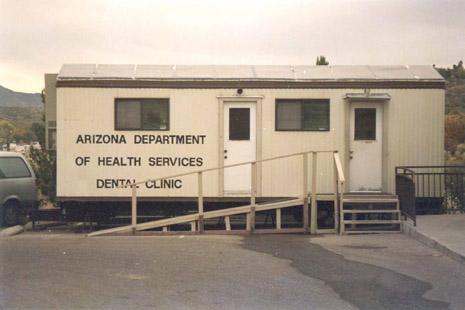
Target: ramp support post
[(253, 195), (313, 216), (134, 208), (336, 195), (200, 200), (304, 193)]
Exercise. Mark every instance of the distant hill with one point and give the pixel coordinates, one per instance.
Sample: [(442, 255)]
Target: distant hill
[(22, 109), (22, 117), (10, 98)]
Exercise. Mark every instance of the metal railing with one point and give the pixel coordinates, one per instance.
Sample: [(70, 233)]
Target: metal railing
[(339, 181), (430, 189)]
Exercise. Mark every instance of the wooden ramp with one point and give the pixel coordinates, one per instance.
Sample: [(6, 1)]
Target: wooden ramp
[(197, 220), (308, 197)]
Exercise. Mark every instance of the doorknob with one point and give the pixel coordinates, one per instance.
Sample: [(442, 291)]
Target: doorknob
[(225, 151), (225, 156), (351, 154)]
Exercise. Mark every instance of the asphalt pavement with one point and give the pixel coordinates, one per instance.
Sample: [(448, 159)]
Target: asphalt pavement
[(40, 270)]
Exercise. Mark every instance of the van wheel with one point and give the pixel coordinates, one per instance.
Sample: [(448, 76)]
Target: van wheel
[(10, 213)]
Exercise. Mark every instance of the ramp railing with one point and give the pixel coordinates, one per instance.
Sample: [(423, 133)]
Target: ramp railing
[(339, 192), (308, 197)]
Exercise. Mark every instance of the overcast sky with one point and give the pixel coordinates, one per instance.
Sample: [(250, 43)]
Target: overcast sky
[(38, 36)]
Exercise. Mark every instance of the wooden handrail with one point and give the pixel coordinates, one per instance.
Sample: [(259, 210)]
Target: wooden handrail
[(251, 214), (338, 192), (222, 167), (340, 172)]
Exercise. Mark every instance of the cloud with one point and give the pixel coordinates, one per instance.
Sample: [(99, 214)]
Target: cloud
[(38, 36)]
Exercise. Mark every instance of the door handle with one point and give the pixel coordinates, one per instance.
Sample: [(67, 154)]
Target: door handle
[(351, 154), (225, 157), (225, 151)]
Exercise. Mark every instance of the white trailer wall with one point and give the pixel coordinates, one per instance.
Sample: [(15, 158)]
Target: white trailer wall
[(413, 135)]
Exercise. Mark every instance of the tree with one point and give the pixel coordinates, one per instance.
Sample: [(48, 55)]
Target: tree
[(44, 164), (455, 131), (23, 135), (321, 61), (38, 129), (457, 72), (7, 132)]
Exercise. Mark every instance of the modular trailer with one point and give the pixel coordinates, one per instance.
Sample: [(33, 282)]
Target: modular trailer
[(112, 125)]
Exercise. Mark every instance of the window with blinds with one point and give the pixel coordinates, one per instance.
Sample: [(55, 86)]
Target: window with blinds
[(142, 114), (302, 115)]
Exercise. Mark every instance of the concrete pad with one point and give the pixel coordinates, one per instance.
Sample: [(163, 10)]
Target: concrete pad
[(445, 233), (408, 257), (11, 231)]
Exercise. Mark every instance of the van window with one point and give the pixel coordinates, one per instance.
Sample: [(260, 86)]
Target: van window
[(302, 114), (142, 114), (13, 167)]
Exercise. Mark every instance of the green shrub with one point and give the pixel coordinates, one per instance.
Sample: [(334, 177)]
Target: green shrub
[(44, 164)]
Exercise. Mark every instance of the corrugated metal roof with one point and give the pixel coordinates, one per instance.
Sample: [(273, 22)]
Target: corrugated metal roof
[(224, 72)]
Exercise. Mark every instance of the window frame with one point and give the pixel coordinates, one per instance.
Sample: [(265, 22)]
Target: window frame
[(141, 102), (302, 101), (25, 165)]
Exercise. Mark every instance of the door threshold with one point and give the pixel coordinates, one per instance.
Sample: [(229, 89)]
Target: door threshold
[(365, 192)]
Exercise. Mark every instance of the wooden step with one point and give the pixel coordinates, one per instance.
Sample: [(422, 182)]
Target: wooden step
[(370, 200), (369, 195), (364, 222), (371, 211), (372, 231)]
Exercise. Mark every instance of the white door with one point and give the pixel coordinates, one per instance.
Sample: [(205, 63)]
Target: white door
[(366, 132), (239, 145)]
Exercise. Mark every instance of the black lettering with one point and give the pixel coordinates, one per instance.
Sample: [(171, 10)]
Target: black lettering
[(115, 183), (175, 161), (101, 139), (161, 184)]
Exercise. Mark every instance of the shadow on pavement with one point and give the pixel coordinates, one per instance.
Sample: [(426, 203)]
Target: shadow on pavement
[(365, 286)]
